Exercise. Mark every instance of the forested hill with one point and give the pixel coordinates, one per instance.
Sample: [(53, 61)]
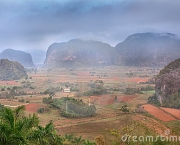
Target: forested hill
[(168, 86), (174, 65), (11, 70)]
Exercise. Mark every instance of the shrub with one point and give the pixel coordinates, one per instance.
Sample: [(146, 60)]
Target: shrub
[(21, 100), (131, 91), (40, 110), (154, 100)]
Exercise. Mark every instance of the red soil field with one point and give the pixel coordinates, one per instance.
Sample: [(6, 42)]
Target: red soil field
[(137, 80), (108, 99), (33, 107), (8, 83), (158, 113), (84, 74), (128, 98), (174, 112)]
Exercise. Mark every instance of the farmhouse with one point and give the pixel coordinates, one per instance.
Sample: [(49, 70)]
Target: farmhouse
[(66, 90)]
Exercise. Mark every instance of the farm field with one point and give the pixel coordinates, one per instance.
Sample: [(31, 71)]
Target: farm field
[(174, 112), (108, 105), (11, 102), (158, 113)]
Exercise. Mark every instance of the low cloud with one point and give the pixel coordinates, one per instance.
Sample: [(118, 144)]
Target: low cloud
[(35, 24)]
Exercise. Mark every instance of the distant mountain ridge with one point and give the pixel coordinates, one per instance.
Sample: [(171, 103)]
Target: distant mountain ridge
[(149, 49), (141, 49), (77, 52), (17, 55)]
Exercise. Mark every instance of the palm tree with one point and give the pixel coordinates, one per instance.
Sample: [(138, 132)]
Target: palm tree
[(17, 129), (14, 127), (87, 142), (78, 140), (45, 135), (68, 138)]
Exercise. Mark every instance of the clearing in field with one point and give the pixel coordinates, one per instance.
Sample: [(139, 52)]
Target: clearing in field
[(34, 107)]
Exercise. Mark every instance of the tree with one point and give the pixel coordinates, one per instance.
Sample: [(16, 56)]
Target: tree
[(124, 109), (87, 142), (46, 135), (50, 92), (78, 140), (68, 139), (1, 106), (17, 129), (14, 127)]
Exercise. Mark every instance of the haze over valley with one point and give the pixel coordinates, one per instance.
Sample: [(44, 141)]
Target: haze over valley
[(89, 72)]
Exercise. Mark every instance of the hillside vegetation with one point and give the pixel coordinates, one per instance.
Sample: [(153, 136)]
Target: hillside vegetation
[(11, 70), (168, 86), (71, 107)]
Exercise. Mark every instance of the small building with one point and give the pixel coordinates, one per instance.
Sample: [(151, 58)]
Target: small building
[(66, 90)]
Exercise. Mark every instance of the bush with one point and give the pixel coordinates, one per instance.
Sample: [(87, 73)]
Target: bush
[(40, 110), (154, 100), (131, 91), (21, 100), (48, 100), (75, 89), (147, 88), (32, 87), (124, 109)]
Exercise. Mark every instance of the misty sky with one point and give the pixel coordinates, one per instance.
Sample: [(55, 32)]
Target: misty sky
[(35, 24)]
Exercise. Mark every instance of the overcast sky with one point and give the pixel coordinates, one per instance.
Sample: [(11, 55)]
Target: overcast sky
[(35, 24)]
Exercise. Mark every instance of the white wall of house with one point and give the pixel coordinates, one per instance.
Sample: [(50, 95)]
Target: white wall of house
[(66, 90)]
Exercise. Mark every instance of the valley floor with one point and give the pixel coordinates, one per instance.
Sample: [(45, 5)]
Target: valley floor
[(154, 121)]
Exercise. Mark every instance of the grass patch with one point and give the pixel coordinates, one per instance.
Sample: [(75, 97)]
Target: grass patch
[(174, 126)]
